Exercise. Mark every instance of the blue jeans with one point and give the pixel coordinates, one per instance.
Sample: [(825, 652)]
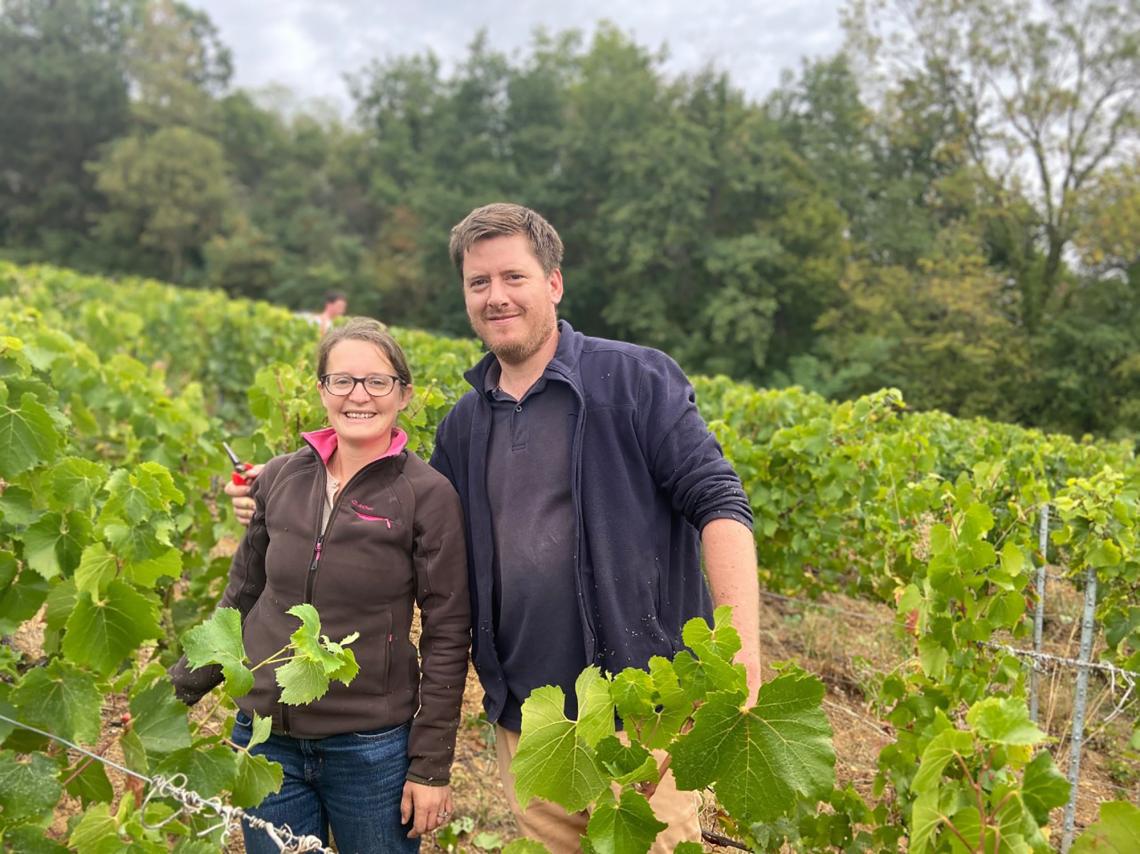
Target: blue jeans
[(351, 782)]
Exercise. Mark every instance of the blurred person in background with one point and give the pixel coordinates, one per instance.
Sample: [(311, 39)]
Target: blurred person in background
[(336, 304)]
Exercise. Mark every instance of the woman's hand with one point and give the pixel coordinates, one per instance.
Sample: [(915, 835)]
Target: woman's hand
[(427, 807), (243, 504)]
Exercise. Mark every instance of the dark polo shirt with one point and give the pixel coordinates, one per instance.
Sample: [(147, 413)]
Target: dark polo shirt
[(538, 632)]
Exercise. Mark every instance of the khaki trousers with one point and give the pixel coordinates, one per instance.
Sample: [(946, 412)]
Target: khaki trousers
[(559, 831)]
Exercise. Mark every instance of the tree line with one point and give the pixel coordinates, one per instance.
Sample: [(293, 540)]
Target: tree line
[(950, 205)]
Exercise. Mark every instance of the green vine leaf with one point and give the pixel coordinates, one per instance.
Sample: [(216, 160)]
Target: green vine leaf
[(712, 669), (554, 760), (302, 681), (159, 720), (652, 704), (595, 707), (1004, 720), (1043, 787), (53, 545), (626, 763), (97, 832), (138, 494), (146, 572), (28, 435), (21, 593), (938, 754), (256, 778), (968, 822), (61, 699), (260, 730), (218, 641), (763, 759), (103, 632), (623, 827), (28, 787), (1115, 833), (316, 660), (74, 482), (926, 816), (30, 839), (91, 784), (208, 771), (97, 568)]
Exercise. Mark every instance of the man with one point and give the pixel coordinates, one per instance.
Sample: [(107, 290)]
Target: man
[(336, 304), (590, 487)]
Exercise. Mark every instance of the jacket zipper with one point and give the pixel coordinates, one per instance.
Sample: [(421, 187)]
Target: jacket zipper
[(313, 566), (590, 631), (311, 580)]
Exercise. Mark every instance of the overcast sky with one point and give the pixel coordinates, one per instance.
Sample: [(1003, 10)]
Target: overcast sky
[(308, 45)]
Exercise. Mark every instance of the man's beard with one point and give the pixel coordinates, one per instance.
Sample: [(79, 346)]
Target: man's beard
[(517, 352)]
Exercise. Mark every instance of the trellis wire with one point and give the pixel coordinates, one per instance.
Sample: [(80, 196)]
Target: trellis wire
[(1075, 663), (191, 802)]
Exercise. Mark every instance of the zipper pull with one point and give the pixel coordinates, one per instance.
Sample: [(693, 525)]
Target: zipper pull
[(316, 553)]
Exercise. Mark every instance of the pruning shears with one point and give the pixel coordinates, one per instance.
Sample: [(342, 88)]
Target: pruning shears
[(240, 468)]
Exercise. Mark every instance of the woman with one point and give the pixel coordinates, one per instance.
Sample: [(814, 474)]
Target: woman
[(361, 528)]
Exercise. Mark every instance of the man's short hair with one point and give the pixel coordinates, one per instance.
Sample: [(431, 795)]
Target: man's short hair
[(503, 219), (333, 296)]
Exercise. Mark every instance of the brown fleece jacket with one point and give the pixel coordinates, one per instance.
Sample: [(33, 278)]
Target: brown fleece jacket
[(395, 537)]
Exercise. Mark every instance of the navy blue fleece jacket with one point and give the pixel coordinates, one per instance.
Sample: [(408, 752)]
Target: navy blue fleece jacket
[(647, 477)]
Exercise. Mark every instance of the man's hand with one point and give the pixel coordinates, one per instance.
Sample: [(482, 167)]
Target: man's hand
[(243, 504), (427, 807)]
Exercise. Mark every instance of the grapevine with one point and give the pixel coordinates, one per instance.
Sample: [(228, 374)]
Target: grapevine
[(115, 398)]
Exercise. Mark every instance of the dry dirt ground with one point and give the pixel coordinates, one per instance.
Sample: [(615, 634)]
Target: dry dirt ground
[(849, 644)]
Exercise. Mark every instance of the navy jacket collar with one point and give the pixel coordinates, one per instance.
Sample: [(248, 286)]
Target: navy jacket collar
[(564, 364)]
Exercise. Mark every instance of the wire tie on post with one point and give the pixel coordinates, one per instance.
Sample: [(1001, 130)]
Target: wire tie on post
[(157, 788), (224, 824), (271, 832)]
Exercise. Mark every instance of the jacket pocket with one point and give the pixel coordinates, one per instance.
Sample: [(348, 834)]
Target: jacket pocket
[(386, 647)]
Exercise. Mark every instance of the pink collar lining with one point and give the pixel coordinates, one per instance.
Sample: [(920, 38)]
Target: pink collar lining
[(324, 443)]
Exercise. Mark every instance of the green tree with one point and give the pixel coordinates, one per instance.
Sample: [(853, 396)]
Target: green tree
[(241, 260), (932, 331), (439, 146), (823, 117), (64, 85), (167, 192), (178, 66), (254, 138), (1108, 236), (1092, 383), (1049, 92)]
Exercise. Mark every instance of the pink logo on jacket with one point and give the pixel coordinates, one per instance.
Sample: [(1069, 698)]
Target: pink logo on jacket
[(357, 506)]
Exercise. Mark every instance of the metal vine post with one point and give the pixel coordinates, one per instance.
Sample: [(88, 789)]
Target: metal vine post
[(1039, 612), (1088, 630)]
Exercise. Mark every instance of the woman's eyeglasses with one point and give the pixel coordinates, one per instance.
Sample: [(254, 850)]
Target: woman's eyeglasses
[(377, 385)]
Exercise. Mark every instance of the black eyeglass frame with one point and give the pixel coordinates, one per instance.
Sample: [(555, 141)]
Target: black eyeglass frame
[(324, 381)]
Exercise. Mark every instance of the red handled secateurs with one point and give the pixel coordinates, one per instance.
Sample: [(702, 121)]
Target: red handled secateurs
[(240, 468)]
